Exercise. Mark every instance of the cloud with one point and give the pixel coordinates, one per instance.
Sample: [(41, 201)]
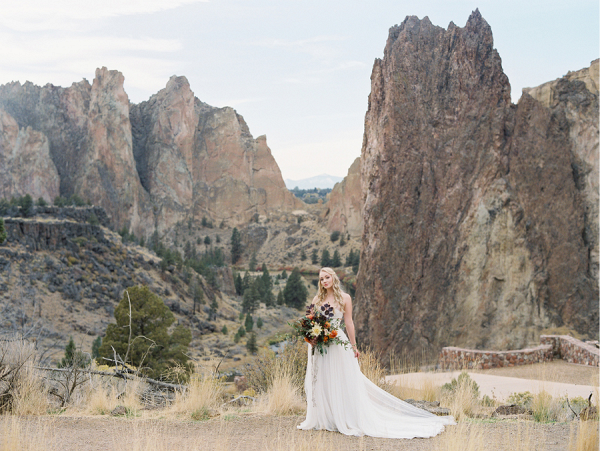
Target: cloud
[(319, 47), (43, 15)]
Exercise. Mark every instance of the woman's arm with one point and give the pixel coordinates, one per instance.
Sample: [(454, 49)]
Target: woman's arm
[(350, 323)]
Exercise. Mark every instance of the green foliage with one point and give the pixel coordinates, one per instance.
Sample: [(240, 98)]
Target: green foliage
[(353, 259), (249, 323), (4, 206), (302, 255), (335, 235), (214, 307), (314, 257), (73, 201), (259, 323), (342, 240), (280, 298), (252, 265), (325, 259), (295, 292), (2, 231), (265, 287), (73, 357), (41, 202), (218, 239), (207, 240), (126, 237), (26, 204), (236, 337), (93, 219), (284, 274), (197, 294), (224, 330), (463, 380), (522, 399), (311, 196), (251, 298), (336, 261), (153, 350), (96, 347), (236, 246), (239, 284), (241, 331), (251, 345)]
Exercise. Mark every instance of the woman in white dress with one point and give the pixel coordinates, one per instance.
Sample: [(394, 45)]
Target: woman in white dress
[(340, 398)]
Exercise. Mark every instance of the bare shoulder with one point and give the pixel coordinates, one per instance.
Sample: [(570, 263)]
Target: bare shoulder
[(315, 299), (346, 298)]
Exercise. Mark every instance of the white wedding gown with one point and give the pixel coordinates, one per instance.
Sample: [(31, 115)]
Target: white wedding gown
[(340, 398)]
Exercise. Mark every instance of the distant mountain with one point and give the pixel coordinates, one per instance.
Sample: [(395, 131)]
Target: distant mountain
[(318, 181)]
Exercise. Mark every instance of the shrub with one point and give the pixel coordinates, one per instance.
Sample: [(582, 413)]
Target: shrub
[(2, 231), (251, 345), (335, 235), (522, 399)]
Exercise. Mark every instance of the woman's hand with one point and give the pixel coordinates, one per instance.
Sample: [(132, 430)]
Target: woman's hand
[(355, 350)]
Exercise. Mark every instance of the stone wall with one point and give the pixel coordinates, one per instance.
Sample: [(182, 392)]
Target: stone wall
[(572, 350), (551, 347), (452, 358)]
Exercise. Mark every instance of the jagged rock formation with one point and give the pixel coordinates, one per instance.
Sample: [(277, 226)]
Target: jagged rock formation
[(149, 165), (344, 208), (474, 208)]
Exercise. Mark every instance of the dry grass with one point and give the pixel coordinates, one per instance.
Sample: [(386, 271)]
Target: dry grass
[(462, 400), (15, 436), (204, 394), (586, 438), (283, 395), (425, 390), (103, 394)]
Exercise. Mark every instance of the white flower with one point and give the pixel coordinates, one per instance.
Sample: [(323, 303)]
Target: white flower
[(316, 330)]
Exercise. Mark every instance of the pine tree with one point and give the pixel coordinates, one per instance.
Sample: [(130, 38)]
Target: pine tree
[(302, 255), (342, 240), (2, 231), (266, 287), (27, 206), (251, 345), (239, 284), (207, 241), (224, 331), (284, 274), (295, 292), (336, 261), (350, 258), (96, 347), (246, 282), (236, 337), (253, 263), (70, 349), (315, 257), (325, 259), (212, 313), (241, 331), (259, 323), (236, 246), (251, 299), (249, 323), (280, 299)]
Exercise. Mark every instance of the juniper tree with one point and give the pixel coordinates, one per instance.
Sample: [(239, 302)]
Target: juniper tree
[(236, 246), (251, 345), (2, 231), (336, 261), (249, 323), (147, 343), (295, 292)]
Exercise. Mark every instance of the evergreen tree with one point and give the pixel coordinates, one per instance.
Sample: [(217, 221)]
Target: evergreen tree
[(251, 299), (236, 246), (302, 255), (239, 284), (236, 337), (253, 263), (350, 258), (325, 259), (218, 239), (259, 323), (26, 206), (295, 292), (41, 202), (336, 261), (152, 346), (224, 331), (251, 345), (280, 299), (207, 241), (342, 240), (2, 231), (249, 323), (284, 274), (73, 357), (96, 347), (197, 294), (241, 331), (212, 313), (266, 286), (315, 257), (356, 262), (247, 281)]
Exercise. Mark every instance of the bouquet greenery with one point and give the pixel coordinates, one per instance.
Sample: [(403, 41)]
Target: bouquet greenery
[(319, 328)]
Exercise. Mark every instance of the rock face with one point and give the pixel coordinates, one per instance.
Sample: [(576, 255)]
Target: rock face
[(149, 166), (344, 208), (475, 228)]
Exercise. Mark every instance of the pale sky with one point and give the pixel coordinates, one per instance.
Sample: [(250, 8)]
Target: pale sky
[(297, 70)]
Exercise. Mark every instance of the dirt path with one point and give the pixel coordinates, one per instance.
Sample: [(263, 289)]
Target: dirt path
[(260, 432)]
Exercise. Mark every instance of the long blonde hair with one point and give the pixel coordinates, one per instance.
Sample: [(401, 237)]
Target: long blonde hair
[(336, 287)]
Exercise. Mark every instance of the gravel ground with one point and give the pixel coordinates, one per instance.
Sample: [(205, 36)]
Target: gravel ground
[(555, 371), (260, 432)]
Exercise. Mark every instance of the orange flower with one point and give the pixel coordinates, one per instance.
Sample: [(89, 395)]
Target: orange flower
[(310, 316), (327, 325), (333, 334), (306, 339), (325, 338)]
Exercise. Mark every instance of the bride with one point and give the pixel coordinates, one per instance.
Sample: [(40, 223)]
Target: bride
[(340, 398)]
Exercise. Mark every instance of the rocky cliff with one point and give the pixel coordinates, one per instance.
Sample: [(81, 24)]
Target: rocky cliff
[(475, 224), (344, 208), (149, 165)]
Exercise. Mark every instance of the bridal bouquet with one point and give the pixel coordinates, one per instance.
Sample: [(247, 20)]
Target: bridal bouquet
[(318, 328)]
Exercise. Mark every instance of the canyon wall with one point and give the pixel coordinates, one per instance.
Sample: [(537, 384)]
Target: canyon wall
[(151, 165), (344, 208), (476, 224)]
